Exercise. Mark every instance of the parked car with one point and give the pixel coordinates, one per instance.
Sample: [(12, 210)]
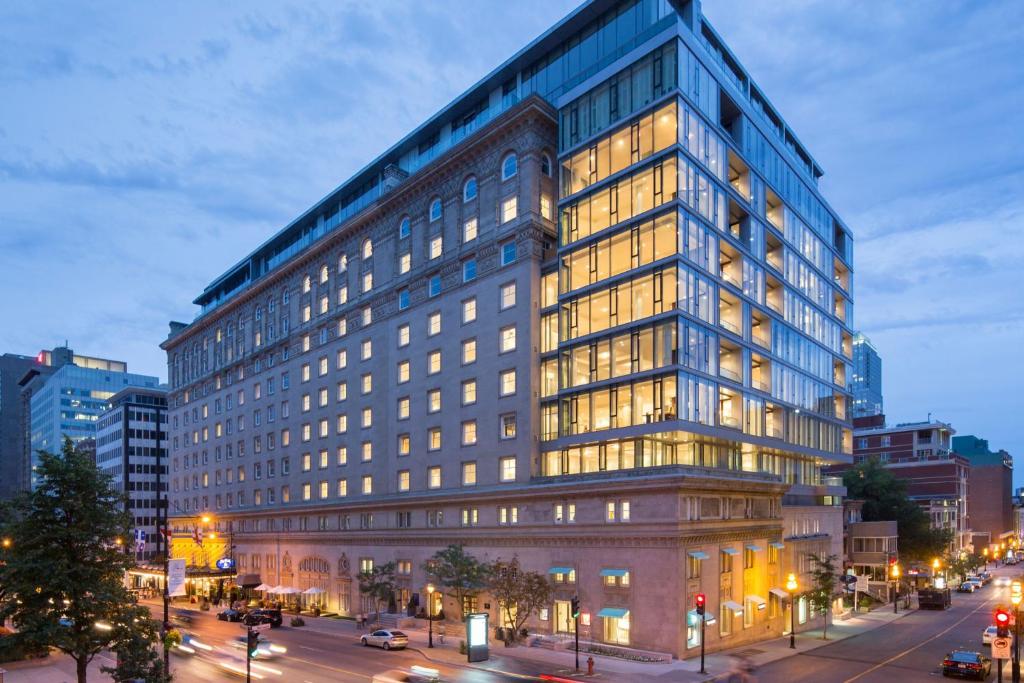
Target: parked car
[(988, 634), (967, 663), (977, 583), (985, 577), (264, 616), (966, 587), (386, 638), (231, 615)]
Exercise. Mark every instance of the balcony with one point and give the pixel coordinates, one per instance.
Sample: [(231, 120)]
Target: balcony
[(773, 294), (760, 373), (774, 251), (739, 175), (729, 309), (730, 361), (760, 329), (774, 210), (730, 266), (730, 408)]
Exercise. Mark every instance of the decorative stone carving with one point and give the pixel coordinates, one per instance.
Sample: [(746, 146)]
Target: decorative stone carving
[(343, 565)]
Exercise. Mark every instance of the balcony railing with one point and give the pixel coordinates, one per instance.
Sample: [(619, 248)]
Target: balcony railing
[(730, 374), (729, 326), (729, 421)]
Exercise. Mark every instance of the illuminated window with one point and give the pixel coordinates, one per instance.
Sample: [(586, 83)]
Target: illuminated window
[(469, 351), (434, 439), (469, 474), (403, 480), (508, 295), (342, 425), (507, 339), (469, 310), (366, 349), (403, 372), (507, 468), (367, 281), (342, 488), (367, 484), (507, 381), (469, 433), (546, 211), (436, 247), (323, 274), (433, 324), (403, 408), (367, 382), (403, 335), (367, 451), (433, 400), (509, 209), (404, 263), (469, 392), (469, 230), (342, 359), (367, 249), (403, 444), (433, 362), (367, 417)]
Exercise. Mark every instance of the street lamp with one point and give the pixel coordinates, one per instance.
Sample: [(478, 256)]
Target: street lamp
[(430, 615), (1015, 596), (895, 587), (791, 586), (6, 543), (984, 553), (935, 569)]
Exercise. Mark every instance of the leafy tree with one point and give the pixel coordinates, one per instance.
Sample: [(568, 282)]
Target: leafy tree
[(885, 499), (137, 658), (378, 584), (519, 593), (962, 564), (824, 584), (455, 569), (63, 574)]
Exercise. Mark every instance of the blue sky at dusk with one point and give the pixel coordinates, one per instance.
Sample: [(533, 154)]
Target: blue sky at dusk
[(146, 148)]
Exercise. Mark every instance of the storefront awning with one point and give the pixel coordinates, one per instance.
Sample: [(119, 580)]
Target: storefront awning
[(613, 612), (614, 572), (758, 601), (778, 545), (248, 580), (779, 593), (754, 548), (698, 555), (730, 551), (694, 618), (733, 606), (560, 570)]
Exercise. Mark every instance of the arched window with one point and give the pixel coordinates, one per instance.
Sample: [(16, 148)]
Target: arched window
[(404, 228), (469, 189), (259, 312), (367, 248), (509, 167), (435, 209), (545, 165), (307, 284), (343, 263), (323, 274)]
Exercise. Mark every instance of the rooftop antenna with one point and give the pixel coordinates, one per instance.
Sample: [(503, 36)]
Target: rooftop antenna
[(929, 417)]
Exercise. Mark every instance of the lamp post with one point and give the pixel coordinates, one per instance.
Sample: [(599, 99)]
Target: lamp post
[(935, 569), (791, 586), (430, 615), (1015, 596), (984, 554), (895, 588)]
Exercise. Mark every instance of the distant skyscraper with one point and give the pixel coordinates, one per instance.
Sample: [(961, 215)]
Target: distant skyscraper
[(72, 398), (12, 442), (867, 378)]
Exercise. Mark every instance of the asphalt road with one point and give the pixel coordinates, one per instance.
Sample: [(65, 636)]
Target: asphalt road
[(908, 650)]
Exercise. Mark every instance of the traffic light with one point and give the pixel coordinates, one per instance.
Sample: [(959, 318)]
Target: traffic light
[(1002, 623), (252, 642), (702, 602), (575, 607)]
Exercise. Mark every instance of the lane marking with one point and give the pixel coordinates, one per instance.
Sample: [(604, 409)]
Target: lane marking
[(906, 652), (332, 668)]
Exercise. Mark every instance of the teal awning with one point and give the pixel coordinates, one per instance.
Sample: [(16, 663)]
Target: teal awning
[(754, 548), (614, 572), (694, 618), (560, 570), (613, 612), (778, 545), (730, 551), (698, 555)]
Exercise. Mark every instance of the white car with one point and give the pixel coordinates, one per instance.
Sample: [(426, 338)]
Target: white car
[(1003, 581), (386, 638), (987, 635)]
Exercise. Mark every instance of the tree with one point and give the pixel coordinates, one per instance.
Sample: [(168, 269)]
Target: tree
[(885, 499), (519, 593), (378, 584), (137, 658), (962, 564), (63, 574), (455, 569), (824, 583)]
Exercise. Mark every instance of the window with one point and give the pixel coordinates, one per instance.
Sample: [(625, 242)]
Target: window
[(469, 270), (509, 209), (367, 315), (434, 477), (325, 304), (469, 310), (469, 230), (342, 266), (434, 285), (367, 282), (434, 400), (508, 515), (469, 392), (436, 247), (403, 480), (321, 366), (366, 349), (509, 167), (404, 228), (367, 249), (367, 420), (403, 372), (469, 189), (435, 209), (434, 439), (469, 351), (749, 558), (546, 211), (693, 565), (433, 323), (367, 484), (342, 488), (470, 516), (342, 456), (306, 492), (342, 391), (616, 578), (342, 295), (508, 295), (307, 284), (469, 433), (507, 468), (403, 444), (469, 474), (507, 380), (403, 408), (404, 263), (433, 362), (507, 339), (725, 560), (403, 335), (545, 165), (508, 253), (508, 426), (367, 451), (403, 299), (341, 362), (565, 513)]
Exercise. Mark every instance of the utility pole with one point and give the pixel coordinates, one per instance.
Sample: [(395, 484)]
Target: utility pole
[(576, 626), (701, 601)]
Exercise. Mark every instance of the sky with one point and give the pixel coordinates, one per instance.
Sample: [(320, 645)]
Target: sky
[(145, 148)]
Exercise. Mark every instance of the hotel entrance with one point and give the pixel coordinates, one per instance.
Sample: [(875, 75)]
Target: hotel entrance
[(564, 623)]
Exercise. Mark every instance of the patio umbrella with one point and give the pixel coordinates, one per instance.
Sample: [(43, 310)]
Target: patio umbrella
[(263, 587), (290, 590), (275, 590), (313, 591)]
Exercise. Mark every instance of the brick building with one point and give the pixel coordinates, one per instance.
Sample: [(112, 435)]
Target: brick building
[(990, 500)]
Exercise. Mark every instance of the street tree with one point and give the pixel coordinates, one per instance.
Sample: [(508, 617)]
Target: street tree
[(64, 565), (519, 593), (824, 585), (885, 499), (379, 585), (458, 571), (962, 564)]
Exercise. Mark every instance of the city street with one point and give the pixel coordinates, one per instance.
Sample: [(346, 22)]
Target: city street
[(909, 649)]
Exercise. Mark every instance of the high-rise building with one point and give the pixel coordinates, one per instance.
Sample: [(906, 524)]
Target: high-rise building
[(990, 500), (131, 443), (12, 436), (594, 314), (867, 378), (67, 400)]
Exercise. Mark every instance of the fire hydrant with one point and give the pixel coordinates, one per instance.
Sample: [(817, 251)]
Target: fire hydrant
[(590, 666)]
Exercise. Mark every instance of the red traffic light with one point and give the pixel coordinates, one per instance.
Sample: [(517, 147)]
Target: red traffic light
[(1002, 617), (701, 599)]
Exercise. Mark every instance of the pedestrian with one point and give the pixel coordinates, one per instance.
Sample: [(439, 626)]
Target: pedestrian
[(440, 632)]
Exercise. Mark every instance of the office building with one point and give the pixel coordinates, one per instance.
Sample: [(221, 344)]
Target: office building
[(131, 443), (13, 469), (594, 313), (867, 378), (68, 396), (990, 500)]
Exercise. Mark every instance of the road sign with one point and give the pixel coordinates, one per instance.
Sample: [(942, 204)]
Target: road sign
[(260, 628), (862, 583), (1001, 648)]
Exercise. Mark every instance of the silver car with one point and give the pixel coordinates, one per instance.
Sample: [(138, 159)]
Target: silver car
[(385, 638)]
